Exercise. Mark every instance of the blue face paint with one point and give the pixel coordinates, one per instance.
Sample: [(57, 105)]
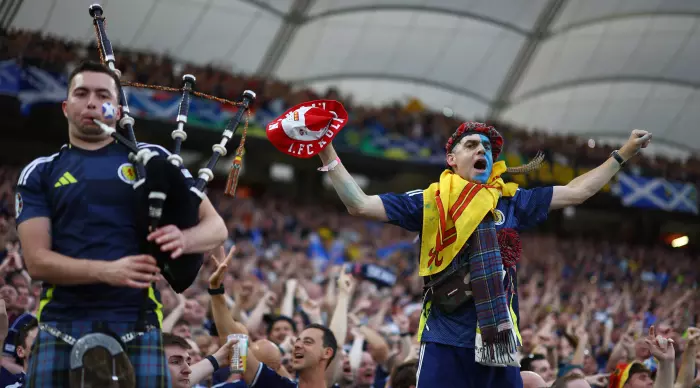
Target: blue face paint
[(484, 176)]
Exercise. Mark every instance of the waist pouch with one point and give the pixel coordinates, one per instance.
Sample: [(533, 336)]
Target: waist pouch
[(450, 290)]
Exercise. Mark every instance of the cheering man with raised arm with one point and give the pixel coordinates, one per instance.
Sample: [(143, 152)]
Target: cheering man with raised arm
[(77, 225), (468, 222)]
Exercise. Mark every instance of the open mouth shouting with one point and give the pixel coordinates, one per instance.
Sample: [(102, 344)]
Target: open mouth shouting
[(480, 165)]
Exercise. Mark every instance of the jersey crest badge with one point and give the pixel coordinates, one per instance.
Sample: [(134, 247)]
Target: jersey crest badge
[(127, 173), (499, 218), (19, 205)]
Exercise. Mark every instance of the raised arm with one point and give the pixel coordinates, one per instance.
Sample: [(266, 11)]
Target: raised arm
[(662, 349), (225, 324), (175, 315), (264, 306), (686, 374), (287, 308), (377, 345), (355, 200), (339, 322), (586, 185)]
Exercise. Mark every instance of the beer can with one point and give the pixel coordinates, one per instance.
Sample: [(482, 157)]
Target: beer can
[(239, 353)]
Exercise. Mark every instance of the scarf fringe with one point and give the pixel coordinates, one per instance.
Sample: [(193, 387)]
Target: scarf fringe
[(501, 350)]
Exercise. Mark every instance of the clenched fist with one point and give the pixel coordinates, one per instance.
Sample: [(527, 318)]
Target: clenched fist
[(638, 139)]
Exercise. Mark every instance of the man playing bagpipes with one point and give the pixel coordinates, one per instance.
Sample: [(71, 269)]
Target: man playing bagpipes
[(78, 228), (468, 222)]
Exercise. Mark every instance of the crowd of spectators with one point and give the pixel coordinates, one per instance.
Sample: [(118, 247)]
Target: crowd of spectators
[(585, 306), (396, 120)]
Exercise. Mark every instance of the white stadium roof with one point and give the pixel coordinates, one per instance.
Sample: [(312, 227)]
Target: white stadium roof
[(597, 68)]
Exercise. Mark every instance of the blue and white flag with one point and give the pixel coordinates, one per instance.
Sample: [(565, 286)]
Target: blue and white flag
[(656, 193), (9, 78), (37, 86)]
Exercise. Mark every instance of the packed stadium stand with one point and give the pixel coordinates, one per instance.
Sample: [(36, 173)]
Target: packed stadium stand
[(592, 280)]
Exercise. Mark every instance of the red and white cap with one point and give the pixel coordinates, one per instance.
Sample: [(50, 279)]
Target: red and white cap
[(306, 129)]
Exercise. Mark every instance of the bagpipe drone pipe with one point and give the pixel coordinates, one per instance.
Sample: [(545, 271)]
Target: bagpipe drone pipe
[(164, 195)]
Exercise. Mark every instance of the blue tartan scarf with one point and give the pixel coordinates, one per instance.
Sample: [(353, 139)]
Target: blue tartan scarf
[(492, 310)]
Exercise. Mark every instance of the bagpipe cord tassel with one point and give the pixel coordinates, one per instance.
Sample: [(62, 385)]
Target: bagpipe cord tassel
[(232, 181)]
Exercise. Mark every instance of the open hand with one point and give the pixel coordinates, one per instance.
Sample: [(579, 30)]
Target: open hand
[(170, 239)]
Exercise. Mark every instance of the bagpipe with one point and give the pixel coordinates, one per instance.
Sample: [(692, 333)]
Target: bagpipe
[(164, 195)]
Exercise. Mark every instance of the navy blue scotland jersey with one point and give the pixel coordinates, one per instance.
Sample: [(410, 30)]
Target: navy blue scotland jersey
[(89, 199), (9, 380)]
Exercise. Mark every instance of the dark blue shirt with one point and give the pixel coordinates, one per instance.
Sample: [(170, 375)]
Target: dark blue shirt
[(88, 197), (9, 380), (268, 378), (381, 377), (525, 209)]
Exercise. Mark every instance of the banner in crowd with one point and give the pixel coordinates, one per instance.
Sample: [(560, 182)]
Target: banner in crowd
[(656, 193)]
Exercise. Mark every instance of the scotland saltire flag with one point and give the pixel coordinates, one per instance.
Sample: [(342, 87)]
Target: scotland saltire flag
[(9, 78), (40, 86), (656, 193)]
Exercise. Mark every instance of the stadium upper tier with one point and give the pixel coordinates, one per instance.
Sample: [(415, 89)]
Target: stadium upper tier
[(595, 68), (397, 131)]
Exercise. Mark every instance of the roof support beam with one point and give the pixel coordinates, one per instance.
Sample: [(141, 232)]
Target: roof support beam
[(8, 11), (524, 57), (284, 36), (395, 77), (601, 80), (620, 16), (419, 8), (265, 7)]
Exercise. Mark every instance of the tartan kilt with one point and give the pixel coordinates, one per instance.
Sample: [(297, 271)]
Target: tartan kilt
[(49, 363)]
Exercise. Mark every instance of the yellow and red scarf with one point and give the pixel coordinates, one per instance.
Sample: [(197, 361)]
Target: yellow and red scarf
[(449, 222)]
